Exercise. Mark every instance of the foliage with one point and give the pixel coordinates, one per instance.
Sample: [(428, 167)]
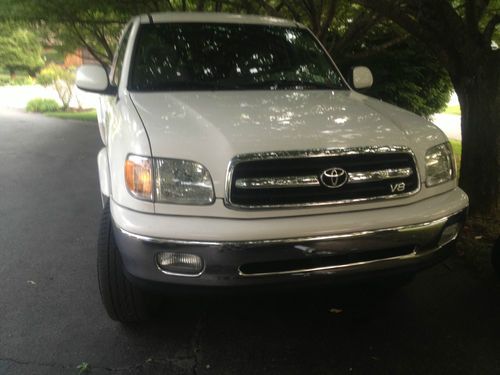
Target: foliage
[(63, 80), (42, 105), (22, 80), (56, 54), (96, 34), (351, 33), (21, 49), (410, 78), (83, 368), (72, 24), (405, 73)]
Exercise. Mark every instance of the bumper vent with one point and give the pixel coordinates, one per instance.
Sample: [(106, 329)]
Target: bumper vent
[(324, 263)]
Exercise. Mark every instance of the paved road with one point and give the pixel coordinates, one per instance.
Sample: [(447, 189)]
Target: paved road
[(51, 319)]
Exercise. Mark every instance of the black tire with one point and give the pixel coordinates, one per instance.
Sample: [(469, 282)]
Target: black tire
[(123, 301), (495, 256)]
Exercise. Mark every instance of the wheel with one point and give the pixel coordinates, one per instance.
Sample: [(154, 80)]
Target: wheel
[(123, 301), (495, 256)]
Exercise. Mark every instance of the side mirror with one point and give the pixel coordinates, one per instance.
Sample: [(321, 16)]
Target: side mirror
[(93, 78), (362, 77)]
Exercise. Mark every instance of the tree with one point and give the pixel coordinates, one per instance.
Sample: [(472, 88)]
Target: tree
[(405, 73), (92, 24), (461, 35), (63, 80), (352, 34), (21, 50)]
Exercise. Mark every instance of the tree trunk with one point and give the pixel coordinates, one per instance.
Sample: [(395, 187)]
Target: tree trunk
[(478, 90), (12, 73)]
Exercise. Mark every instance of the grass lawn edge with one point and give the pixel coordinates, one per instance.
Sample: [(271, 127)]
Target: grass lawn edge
[(80, 116)]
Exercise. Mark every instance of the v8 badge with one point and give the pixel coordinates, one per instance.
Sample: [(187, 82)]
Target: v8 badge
[(398, 188)]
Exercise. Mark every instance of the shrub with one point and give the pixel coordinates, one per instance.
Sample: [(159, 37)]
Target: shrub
[(42, 105), (63, 80)]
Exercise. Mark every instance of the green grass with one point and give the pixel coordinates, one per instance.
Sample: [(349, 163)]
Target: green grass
[(457, 146), (457, 150), (452, 110), (81, 116)]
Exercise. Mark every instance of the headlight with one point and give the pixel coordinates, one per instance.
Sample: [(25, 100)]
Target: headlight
[(175, 181), (439, 164), (182, 182)]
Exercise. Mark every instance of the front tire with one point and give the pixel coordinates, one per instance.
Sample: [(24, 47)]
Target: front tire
[(123, 301)]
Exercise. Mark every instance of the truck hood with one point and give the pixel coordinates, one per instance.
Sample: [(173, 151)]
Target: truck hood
[(213, 127)]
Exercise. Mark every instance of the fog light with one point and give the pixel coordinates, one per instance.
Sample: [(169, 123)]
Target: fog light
[(180, 263), (449, 234)]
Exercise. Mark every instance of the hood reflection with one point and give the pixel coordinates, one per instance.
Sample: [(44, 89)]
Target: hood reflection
[(260, 120)]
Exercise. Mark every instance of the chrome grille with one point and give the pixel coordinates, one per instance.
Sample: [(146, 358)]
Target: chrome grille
[(296, 178)]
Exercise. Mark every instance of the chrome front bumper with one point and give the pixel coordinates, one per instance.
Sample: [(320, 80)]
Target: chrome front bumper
[(406, 248)]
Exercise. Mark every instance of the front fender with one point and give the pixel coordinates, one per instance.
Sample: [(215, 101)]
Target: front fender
[(125, 135), (104, 177)]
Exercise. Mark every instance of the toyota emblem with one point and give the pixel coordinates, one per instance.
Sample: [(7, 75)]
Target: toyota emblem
[(334, 178)]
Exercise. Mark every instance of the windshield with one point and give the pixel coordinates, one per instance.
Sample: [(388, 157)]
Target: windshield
[(201, 56)]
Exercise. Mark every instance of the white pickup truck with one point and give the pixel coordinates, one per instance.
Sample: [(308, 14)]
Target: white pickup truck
[(235, 154)]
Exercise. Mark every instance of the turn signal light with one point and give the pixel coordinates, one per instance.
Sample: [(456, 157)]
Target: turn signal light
[(139, 177)]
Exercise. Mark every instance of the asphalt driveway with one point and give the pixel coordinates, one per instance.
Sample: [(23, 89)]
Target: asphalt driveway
[(51, 319)]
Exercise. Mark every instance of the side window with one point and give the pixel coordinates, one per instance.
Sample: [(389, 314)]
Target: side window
[(120, 55)]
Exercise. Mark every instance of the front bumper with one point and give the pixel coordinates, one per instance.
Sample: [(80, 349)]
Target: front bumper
[(358, 253)]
